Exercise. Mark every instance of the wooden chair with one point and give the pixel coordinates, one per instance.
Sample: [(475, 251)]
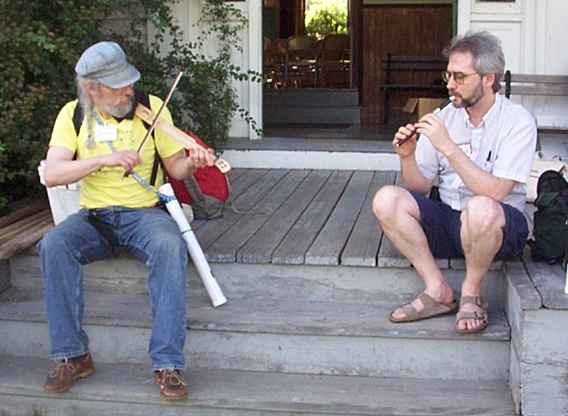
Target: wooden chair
[(334, 61), (274, 62), (300, 69)]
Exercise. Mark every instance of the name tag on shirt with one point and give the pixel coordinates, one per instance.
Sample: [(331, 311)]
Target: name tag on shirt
[(105, 133)]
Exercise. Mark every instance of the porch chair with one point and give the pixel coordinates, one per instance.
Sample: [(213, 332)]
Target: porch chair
[(334, 61), (300, 70)]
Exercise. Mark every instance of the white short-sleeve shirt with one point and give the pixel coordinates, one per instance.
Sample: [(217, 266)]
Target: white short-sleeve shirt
[(503, 145)]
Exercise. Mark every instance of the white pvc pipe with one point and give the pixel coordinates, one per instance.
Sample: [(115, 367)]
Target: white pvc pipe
[(195, 251), (566, 285)]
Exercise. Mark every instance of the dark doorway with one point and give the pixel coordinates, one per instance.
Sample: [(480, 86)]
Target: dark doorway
[(302, 91), (401, 30)]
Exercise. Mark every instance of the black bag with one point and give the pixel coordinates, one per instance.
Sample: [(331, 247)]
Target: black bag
[(550, 231)]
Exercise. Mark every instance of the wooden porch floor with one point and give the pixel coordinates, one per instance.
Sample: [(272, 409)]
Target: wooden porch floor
[(302, 217)]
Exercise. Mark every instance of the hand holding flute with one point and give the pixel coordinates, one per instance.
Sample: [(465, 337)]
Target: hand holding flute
[(409, 133)]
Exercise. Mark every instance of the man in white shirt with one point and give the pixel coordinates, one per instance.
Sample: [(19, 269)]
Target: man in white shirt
[(480, 150)]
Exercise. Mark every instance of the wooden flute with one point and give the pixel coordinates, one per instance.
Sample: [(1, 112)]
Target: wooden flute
[(443, 105)]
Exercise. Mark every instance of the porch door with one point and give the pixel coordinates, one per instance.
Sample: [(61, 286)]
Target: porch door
[(399, 29)]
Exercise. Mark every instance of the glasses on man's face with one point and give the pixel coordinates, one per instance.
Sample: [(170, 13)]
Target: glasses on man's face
[(459, 77)]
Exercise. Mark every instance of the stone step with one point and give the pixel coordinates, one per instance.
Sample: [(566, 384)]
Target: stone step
[(347, 284), (123, 389), (273, 334)]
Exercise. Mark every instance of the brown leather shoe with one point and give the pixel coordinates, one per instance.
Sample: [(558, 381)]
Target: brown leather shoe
[(63, 374), (172, 384)]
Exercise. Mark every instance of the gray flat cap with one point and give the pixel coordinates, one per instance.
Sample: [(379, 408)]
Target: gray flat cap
[(106, 62)]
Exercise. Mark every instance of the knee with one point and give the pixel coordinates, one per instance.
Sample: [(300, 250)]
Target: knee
[(169, 244), (386, 202), (482, 214), (52, 242)]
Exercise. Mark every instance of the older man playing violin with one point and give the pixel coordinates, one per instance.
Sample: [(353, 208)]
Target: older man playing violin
[(116, 211)]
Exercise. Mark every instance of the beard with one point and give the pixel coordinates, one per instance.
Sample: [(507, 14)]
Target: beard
[(470, 101), (119, 111)]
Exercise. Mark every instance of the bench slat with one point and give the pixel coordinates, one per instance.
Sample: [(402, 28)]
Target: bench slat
[(539, 79), (413, 87), (540, 89), (414, 66), (535, 84)]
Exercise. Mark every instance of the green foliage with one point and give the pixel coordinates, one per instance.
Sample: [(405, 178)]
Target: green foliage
[(42, 41), (324, 19)]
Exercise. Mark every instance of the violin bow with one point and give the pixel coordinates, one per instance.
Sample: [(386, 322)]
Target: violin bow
[(157, 116)]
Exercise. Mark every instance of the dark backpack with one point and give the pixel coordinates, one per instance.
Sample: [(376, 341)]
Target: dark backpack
[(550, 230)]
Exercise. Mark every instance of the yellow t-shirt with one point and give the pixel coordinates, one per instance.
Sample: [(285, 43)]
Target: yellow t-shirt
[(107, 187)]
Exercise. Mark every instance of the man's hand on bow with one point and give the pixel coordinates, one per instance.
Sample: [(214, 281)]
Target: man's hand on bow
[(128, 159)]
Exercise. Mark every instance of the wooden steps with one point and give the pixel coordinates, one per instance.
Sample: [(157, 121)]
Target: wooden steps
[(304, 267)]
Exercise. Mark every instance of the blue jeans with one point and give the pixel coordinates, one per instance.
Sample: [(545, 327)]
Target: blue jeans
[(149, 234)]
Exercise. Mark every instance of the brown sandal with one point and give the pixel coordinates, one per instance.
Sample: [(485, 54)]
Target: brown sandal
[(431, 309), (477, 315)]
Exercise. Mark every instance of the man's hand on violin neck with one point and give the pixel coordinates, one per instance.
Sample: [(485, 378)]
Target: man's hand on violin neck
[(128, 159), (200, 157)]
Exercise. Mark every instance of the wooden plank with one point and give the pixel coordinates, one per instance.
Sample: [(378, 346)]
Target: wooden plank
[(250, 188), (436, 60), (363, 244), (329, 243), (536, 78), (225, 249), (389, 256), (235, 176), (540, 89), (14, 246), (260, 247), (294, 246), (30, 208), (235, 173), (23, 225)]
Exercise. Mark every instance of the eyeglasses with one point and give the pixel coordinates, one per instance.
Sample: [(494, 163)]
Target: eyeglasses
[(459, 77)]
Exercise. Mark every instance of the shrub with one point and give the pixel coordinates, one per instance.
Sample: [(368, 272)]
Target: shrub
[(327, 20), (42, 41)]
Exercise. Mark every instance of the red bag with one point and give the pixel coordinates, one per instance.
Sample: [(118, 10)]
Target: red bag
[(207, 191)]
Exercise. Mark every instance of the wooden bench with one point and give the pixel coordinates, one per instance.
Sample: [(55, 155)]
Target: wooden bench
[(23, 228), (535, 85), (393, 64)]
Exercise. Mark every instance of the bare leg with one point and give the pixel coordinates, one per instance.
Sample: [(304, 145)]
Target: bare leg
[(399, 216), (481, 234)]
